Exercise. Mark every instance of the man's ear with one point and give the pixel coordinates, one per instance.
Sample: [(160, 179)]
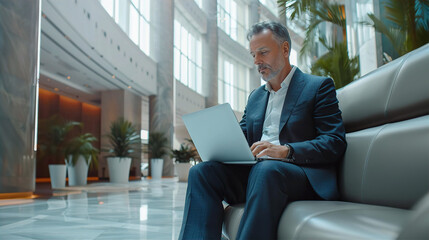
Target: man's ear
[(285, 49)]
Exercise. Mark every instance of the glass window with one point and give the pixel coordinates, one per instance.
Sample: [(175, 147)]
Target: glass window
[(184, 70), (191, 47), (233, 20), (199, 79), (199, 55), (176, 63), (177, 29), (108, 6), (233, 82), (116, 13), (199, 3), (192, 73), (134, 25), (271, 5), (187, 56), (145, 9), (184, 40), (144, 36), (135, 3)]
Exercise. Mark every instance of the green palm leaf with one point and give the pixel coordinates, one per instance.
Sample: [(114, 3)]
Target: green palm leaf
[(158, 144), (54, 132), (82, 146), (407, 27), (337, 64), (124, 138)]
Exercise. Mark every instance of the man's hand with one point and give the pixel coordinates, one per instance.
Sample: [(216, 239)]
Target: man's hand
[(263, 148)]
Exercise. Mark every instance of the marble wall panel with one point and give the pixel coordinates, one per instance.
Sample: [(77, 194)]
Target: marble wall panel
[(19, 46)]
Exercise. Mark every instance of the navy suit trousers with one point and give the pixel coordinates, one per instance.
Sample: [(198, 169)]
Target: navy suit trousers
[(266, 188)]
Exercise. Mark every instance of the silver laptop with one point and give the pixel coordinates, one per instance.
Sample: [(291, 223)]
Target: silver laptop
[(218, 136)]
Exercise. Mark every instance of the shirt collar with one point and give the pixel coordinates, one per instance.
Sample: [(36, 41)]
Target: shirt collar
[(285, 83)]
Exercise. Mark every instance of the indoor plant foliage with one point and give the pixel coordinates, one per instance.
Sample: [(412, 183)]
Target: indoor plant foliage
[(336, 62), (82, 146), (124, 138), (53, 136), (157, 147), (80, 153), (405, 24), (183, 155)]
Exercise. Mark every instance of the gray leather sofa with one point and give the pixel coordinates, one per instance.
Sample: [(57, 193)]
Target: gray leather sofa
[(384, 176)]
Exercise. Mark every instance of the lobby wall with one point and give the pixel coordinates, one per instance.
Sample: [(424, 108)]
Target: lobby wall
[(69, 109)]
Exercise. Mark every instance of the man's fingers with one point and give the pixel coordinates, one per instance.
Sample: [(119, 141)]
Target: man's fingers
[(256, 144), (258, 149), (263, 152)]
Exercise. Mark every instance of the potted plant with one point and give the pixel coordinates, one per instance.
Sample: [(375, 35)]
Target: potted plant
[(183, 158), (80, 153), (54, 133), (158, 147), (124, 140)]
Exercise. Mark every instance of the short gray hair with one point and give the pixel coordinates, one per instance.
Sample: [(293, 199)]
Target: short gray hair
[(280, 32)]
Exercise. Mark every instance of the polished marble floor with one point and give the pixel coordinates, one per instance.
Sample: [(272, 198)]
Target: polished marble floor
[(147, 209)]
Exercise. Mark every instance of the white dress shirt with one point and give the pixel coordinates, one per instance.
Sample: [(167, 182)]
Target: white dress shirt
[(271, 128)]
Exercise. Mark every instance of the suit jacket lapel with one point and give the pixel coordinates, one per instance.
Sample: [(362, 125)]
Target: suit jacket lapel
[(259, 110), (294, 91)]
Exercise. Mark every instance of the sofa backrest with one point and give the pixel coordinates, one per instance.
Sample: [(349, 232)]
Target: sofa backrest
[(386, 115)]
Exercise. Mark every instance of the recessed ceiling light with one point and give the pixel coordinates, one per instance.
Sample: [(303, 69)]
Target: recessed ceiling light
[(129, 87), (68, 77)]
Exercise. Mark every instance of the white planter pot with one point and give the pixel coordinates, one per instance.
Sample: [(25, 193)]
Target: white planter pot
[(77, 173), (156, 167), (119, 169), (57, 172), (183, 171)]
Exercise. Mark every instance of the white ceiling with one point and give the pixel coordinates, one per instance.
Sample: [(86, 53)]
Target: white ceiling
[(66, 68)]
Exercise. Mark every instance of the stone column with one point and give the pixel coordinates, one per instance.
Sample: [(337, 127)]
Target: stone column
[(161, 107), (19, 50), (254, 17), (210, 54)]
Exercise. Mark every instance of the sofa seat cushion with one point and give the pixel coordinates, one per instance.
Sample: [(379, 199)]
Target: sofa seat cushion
[(340, 220), (329, 220)]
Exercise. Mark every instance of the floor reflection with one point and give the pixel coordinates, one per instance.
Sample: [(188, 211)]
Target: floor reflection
[(148, 209)]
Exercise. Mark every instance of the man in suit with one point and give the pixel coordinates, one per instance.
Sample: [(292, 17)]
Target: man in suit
[(294, 116)]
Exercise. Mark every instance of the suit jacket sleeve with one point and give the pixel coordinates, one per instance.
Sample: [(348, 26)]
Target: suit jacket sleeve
[(329, 143)]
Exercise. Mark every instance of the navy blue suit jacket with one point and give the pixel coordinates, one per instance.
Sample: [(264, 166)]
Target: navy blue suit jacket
[(310, 123)]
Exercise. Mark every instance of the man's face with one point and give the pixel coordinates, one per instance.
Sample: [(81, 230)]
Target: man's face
[(268, 54)]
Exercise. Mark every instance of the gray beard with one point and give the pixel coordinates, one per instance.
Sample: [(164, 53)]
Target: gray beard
[(270, 76)]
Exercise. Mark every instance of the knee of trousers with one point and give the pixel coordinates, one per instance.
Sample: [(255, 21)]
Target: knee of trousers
[(202, 171), (275, 172)]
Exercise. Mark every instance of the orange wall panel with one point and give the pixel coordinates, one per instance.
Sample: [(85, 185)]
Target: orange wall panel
[(70, 109)]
